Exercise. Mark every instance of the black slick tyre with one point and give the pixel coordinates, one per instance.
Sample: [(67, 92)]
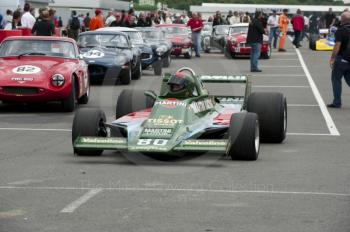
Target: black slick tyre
[(271, 107), (243, 137), (88, 122)]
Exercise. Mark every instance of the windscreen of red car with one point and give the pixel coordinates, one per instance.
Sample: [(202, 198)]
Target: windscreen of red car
[(37, 48)]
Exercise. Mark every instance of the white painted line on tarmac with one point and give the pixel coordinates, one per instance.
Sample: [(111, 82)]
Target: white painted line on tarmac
[(25, 182), (280, 66), (302, 105), (278, 75), (81, 200), (34, 129), (310, 134), (281, 86), (287, 59), (327, 116), (140, 189)]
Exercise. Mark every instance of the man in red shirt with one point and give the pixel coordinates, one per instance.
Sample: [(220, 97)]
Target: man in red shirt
[(196, 25), (298, 27)]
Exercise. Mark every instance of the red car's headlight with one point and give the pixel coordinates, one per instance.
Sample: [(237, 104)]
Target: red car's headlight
[(57, 80)]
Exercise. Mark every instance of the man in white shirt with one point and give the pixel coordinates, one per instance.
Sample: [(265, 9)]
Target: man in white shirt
[(272, 22), (27, 19), (306, 28), (235, 18), (110, 18)]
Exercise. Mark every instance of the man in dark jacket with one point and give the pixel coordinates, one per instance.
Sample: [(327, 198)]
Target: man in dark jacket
[(142, 21), (340, 60), (218, 20), (44, 26), (255, 40)]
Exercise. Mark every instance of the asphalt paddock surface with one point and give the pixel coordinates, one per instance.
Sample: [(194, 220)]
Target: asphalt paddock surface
[(300, 185)]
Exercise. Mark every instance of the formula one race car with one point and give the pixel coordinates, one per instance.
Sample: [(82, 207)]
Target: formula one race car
[(324, 40), (110, 56), (180, 36), (43, 69), (185, 118), (236, 42)]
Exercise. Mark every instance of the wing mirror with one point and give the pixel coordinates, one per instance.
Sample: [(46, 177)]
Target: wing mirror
[(151, 94), (80, 56)]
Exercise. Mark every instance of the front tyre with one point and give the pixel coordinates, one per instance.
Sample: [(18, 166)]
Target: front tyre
[(138, 71), (69, 104), (125, 78), (244, 137), (167, 61), (88, 122), (272, 111), (158, 67), (85, 98)]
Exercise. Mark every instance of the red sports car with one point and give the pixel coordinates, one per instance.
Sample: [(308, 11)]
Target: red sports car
[(43, 69), (236, 42), (180, 36)]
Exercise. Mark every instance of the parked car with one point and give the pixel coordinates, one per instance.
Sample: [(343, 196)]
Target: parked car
[(180, 36), (43, 69), (207, 36), (236, 42), (218, 38), (146, 51), (110, 56), (155, 38)]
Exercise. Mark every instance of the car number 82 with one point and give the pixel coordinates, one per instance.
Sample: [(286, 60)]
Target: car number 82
[(154, 142)]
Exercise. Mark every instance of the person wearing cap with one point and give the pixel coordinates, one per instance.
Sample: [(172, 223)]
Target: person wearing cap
[(283, 22), (272, 22), (45, 26), (97, 21)]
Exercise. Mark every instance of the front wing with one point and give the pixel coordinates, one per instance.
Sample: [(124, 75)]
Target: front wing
[(121, 144)]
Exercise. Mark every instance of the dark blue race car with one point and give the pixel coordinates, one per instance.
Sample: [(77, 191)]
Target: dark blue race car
[(161, 46), (110, 56), (149, 57)]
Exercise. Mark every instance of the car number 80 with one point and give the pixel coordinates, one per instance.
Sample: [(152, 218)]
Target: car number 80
[(154, 142)]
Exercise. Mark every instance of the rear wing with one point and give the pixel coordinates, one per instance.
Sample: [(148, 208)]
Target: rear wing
[(233, 79)]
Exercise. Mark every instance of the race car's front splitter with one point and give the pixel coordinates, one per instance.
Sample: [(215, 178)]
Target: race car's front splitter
[(121, 144)]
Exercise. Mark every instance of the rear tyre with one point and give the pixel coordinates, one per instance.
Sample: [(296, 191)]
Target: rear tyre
[(157, 66), (138, 71), (272, 111), (88, 122), (244, 138), (167, 61), (125, 78), (131, 100), (69, 104)]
